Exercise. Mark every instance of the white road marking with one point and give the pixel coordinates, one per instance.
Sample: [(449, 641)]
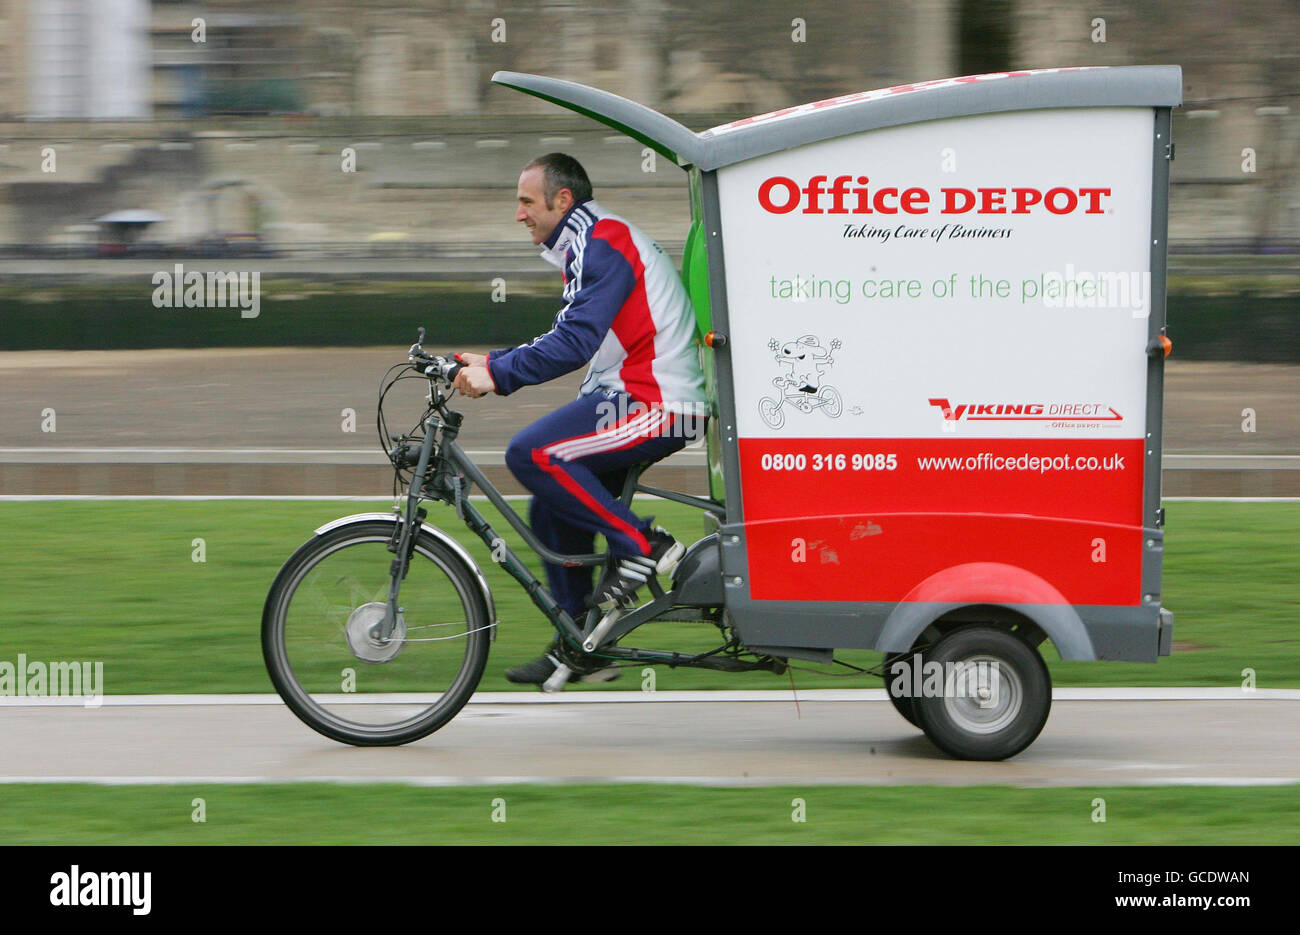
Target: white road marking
[(784, 696), (715, 781), (1228, 462), (1232, 499)]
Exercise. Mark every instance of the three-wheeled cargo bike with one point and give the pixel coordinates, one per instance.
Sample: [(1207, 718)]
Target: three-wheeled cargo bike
[(931, 319)]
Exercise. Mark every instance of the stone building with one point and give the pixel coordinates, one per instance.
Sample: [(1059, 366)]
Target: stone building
[(229, 115)]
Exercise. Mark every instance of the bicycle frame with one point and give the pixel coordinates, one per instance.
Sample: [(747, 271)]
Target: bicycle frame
[(444, 472)]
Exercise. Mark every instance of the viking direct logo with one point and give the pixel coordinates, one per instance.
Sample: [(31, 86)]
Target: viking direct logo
[(1027, 412), (782, 195)]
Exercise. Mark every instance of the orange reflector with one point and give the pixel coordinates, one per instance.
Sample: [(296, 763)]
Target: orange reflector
[(708, 339), (1166, 344)]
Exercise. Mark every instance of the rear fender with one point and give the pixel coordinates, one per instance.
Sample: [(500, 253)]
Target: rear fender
[(990, 584)]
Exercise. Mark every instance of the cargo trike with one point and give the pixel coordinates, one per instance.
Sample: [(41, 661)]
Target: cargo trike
[(957, 289)]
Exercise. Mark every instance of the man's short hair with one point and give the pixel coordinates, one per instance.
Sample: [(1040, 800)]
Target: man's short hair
[(561, 171)]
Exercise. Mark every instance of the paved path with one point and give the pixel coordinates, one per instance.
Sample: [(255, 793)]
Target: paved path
[(533, 738)]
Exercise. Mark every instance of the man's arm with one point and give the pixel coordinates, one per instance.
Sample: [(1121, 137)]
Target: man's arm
[(606, 279)]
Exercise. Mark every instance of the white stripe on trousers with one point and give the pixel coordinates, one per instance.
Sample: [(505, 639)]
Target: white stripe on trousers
[(592, 444), (587, 445)]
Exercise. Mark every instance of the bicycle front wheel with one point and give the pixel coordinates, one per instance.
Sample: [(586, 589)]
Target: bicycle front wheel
[(321, 636)]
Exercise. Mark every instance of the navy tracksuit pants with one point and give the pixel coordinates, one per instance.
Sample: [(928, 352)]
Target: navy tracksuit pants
[(574, 461)]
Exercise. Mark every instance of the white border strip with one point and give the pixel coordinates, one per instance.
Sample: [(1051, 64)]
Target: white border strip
[(783, 696), (712, 781)]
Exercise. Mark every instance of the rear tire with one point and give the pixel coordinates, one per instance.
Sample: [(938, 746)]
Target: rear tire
[(339, 679), (995, 705), (904, 703)]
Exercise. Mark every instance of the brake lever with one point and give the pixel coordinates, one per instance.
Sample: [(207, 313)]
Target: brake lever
[(417, 349)]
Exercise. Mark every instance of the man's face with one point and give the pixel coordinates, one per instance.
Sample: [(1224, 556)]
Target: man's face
[(533, 212)]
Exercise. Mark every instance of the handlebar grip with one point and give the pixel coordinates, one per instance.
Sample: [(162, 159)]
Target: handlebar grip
[(444, 367)]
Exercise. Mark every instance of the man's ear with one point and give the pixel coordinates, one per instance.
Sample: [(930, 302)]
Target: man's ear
[(564, 199)]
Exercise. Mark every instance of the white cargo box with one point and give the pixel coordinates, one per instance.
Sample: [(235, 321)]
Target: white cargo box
[(936, 342)]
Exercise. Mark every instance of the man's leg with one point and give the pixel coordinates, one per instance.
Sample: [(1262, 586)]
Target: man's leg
[(570, 586), (562, 457), (620, 581), (576, 474)]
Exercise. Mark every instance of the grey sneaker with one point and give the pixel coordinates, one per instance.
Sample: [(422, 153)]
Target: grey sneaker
[(543, 667), (618, 586)]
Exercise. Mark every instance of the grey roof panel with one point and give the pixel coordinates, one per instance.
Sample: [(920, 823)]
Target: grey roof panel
[(665, 135), (1133, 86)]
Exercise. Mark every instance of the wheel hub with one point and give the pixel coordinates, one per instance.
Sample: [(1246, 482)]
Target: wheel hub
[(362, 630), (983, 695)]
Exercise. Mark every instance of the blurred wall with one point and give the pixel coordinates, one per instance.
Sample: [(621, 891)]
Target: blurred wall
[(277, 88)]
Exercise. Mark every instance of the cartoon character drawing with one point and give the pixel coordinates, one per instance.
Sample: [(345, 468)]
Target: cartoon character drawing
[(805, 360)]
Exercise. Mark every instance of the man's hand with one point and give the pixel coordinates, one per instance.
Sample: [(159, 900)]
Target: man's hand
[(475, 380), (472, 360)]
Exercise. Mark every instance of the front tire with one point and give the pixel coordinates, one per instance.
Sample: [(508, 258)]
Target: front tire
[(996, 694), (324, 657)]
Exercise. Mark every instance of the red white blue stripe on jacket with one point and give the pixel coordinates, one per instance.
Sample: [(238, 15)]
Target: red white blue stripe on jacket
[(626, 313)]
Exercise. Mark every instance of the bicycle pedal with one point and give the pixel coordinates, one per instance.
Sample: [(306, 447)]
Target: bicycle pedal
[(607, 674), (558, 679)]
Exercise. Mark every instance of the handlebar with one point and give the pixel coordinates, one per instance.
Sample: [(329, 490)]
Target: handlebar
[(436, 366), (439, 367)]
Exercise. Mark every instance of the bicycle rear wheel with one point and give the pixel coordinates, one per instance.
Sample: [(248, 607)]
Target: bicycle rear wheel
[(320, 643)]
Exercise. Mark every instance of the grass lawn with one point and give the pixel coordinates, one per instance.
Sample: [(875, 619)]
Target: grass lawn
[(307, 813), (113, 581)]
